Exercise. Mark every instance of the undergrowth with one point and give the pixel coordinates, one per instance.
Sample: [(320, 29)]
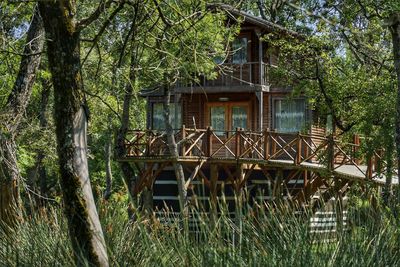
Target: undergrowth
[(268, 237)]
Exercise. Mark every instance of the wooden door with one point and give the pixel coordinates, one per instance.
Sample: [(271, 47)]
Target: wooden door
[(224, 118)]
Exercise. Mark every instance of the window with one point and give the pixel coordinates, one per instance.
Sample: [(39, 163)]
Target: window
[(218, 121), (290, 115), (228, 117), (158, 116), (239, 47), (239, 117)]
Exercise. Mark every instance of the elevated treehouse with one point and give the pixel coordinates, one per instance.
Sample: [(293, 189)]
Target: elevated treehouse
[(245, 132)]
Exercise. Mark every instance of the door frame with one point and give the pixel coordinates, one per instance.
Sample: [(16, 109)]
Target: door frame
[(228, 112)]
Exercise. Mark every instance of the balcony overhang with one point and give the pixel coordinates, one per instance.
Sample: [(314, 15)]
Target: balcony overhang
[(252, 88), (249, 88)]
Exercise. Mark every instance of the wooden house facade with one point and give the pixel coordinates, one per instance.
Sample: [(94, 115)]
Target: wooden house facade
[(243, 132)]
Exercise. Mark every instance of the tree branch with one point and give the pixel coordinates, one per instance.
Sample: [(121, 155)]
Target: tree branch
[(95, 15), (102, 29)]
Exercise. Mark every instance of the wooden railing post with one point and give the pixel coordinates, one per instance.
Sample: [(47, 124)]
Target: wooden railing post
[(237, 143), (356, 142), (148, 136), (369, 167), (183, 145), (298, 149), (266, 144), (331, 152), (273, 134), (209, 142)]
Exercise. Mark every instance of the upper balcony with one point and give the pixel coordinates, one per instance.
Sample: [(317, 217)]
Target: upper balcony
[(235, 77)]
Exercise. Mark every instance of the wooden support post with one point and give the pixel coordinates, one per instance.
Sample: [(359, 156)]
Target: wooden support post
[(369, 168), (339, 205), (147, 198), (305, 185), (356, 142), (209, 142), (213, 193), (237, 143), (239, 202), (183, 138), (273, 134), (148, 143), (331, 153), (277, 191), (266, 144), (298, 150)]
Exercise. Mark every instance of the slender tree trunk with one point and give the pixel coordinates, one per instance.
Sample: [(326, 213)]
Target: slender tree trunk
[(107, 155), (11, 116), (38, 175), (127, 170), (42, 173), (395, 31), (173, 150), (63, 51)]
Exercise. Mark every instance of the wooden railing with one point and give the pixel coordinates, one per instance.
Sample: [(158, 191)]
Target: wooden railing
[(230, 74), (286, 148)]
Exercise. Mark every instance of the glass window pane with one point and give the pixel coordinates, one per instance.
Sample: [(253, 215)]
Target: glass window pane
[(239, 117), (290, 115), (158, 116), (239, 47), (175, 115), (218, 119)]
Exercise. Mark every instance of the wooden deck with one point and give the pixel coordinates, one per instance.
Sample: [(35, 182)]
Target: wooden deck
[(322, 154)]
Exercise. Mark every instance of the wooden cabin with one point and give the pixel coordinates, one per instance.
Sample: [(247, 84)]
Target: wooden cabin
[(243, 131)]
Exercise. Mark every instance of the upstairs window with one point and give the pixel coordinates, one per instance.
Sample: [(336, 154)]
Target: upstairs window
[(239, 47), (290, 115), (158, 122)]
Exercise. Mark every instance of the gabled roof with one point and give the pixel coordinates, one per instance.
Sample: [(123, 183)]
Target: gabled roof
[(234, 13)]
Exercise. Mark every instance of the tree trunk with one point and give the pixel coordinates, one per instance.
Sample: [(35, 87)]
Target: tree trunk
[(107, 155), (70, 115), (173, 150), (43, 125), (37, 179), (395, 31), (127, 170), (11, 116)]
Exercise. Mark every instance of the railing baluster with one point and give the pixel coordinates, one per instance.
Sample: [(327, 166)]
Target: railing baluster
[(148, 143), (273, 134), (266, 144), (331, 153), (237, 143), (298, 148), (183, 138), (369, 168), (209, 142)]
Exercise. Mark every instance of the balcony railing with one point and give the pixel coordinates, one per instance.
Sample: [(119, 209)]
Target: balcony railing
[(229, 74), (252, 146)]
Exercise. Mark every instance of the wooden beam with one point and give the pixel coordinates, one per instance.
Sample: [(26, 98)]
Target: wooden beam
[(213, 192)]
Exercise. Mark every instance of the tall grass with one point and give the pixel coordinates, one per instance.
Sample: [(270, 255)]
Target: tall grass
[(272, 237)]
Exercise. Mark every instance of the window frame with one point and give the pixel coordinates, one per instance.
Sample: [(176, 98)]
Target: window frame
[(228, 113), (247, 50), (282, 98), (176, 124)]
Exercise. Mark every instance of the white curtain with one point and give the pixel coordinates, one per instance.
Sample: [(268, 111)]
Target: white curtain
[(158, 116), (218, 119), (290, 115), (239, 117)]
